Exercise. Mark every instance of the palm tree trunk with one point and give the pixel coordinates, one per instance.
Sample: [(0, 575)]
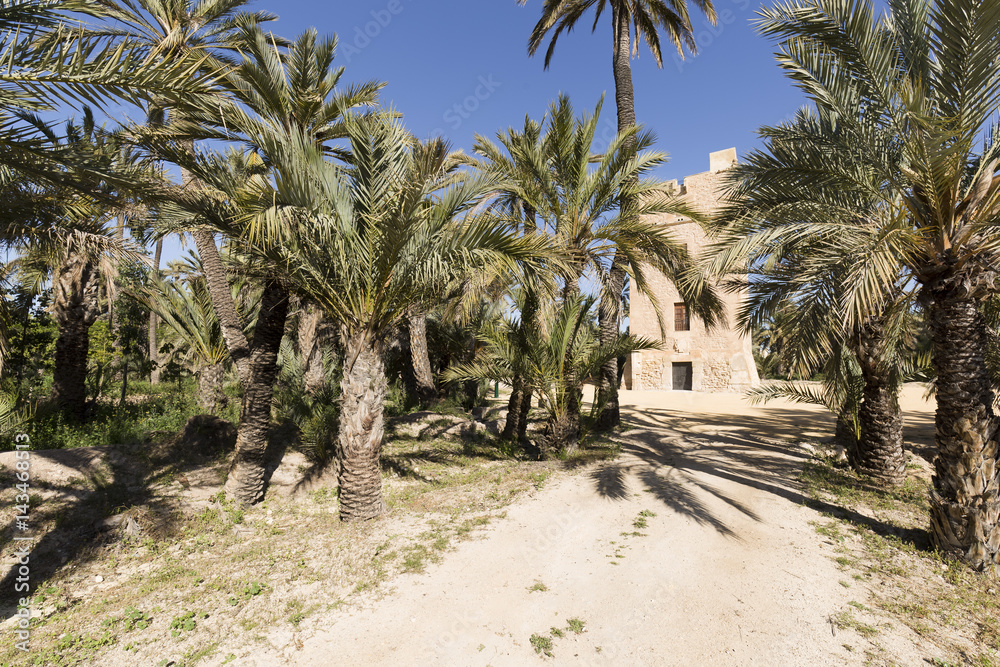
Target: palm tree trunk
[(608, 314), (154, 350), (471, 387), (522, 422), (965, 495), (562, 434), (622, 68), (246, 474), (512, 426), (222, 302), (220, 292), (362, 428), (313, 375), (69, 376), (608, 325), (520, 396), (211, 397), (417, 325), (567, 435), (879, 451), (74, 309)]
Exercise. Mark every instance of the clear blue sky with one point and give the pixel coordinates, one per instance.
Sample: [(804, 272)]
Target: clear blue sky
[(459, 67), (473, 54)]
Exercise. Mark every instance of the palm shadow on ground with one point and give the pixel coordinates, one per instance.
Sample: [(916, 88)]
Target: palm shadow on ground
[(682, 459), (138, 474)]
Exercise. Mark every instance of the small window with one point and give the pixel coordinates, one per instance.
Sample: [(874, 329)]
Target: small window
[(682, 322)]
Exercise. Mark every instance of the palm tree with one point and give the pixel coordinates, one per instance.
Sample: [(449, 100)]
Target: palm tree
[(927, 79), (645, 20), (574, 195), (185, 307), (280, 102), (371, 244), (51, 58), (204, 29), (518, 163), (802, 237), (863, 365), (312, 336), (80, 258), (434, 164), (556, 362)]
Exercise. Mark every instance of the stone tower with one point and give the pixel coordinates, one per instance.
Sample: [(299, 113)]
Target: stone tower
[(692, 358)]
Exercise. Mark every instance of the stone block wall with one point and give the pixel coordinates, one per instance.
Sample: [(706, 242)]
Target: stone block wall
[(721, 359)]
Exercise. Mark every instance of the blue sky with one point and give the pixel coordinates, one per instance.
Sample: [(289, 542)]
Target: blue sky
[(461, 67)]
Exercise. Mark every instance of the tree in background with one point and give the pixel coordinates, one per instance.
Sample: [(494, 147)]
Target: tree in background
[(927, 78), (632, 21)]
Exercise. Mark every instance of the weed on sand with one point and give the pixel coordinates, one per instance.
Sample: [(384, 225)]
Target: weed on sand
[(882, 541)]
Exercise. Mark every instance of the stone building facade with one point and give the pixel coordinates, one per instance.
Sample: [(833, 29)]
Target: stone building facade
[(692, 358)]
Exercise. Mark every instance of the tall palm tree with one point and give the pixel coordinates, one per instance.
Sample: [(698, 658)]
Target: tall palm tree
[(205, 29), (280, 101), (575, 197), (631, 22), (81, 258), (927, 77), (371, 244)]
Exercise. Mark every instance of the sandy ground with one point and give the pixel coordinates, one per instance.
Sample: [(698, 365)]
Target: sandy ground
[(729, 571)]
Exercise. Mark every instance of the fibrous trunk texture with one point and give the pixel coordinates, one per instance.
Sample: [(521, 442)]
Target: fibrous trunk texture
[(520, 396), (566, 429), (511, 427), (522, 422), (246, 474), (211, 397), (420, 357), (222, 302), (74, 309), (965, 497), (562, 434), (878, 453), (220, 292), (362, 428), (313, 374), (608, 316), (154, 349)]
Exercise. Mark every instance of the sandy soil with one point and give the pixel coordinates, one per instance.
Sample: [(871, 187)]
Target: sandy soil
[(729, 571)]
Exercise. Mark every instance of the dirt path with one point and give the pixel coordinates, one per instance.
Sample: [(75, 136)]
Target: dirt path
[(729, 571)]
